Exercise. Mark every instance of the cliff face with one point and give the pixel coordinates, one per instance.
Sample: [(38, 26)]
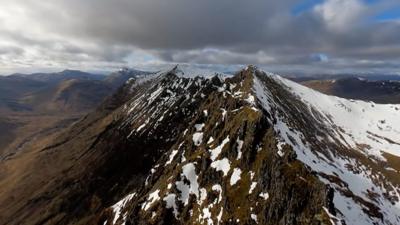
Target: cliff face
[(253, 148)]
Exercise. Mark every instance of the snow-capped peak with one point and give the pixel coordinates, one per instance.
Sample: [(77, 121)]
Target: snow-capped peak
[(191, 71)]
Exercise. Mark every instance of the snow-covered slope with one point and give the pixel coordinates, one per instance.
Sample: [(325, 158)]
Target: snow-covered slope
[(361, 123), (346, 146)]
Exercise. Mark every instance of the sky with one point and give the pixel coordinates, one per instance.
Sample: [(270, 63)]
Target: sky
[(299, 36)]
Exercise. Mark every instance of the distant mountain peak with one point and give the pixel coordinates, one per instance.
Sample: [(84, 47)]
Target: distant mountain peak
[(128, 70), (191, 71), (119, 77), (71, 71)]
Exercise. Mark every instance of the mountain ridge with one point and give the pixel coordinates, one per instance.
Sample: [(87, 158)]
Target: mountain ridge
[(249, 149)]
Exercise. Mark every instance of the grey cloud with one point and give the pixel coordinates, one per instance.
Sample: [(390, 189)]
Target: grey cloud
[(208, 32), (11, 50)]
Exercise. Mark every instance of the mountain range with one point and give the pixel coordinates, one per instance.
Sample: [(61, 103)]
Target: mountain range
[(186, 147), (32, 105), (379, 91)]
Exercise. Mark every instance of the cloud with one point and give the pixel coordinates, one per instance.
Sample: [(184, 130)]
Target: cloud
[(106, 34), (341, 15)]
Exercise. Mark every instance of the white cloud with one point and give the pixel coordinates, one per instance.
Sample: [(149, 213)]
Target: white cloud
[(340, 15), (220, 56)]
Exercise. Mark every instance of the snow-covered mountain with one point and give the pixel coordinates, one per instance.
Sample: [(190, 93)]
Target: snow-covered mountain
[(351, 146), (254, 148)]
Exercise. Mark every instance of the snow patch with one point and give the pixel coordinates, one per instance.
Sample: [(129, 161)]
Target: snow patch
[(153, 197), (239, 148), (203, 195), (223, 114), (207, 216), (188, 172), (235, 177), (254, 217), (264, 195), (142, 126), (251, 100), (117, 208), (199, 127), (280, 147), (217, 188), (197, 138), (210, 140), (216, 151), (171, 157), (170, 201), (252, 187), (222, 165), (333, 219)]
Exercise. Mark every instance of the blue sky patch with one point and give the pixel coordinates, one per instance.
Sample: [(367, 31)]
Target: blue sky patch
[(390, 14), (305, 5), (319, 57)]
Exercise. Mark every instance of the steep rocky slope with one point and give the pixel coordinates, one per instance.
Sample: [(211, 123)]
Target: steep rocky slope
[(254, 148)]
